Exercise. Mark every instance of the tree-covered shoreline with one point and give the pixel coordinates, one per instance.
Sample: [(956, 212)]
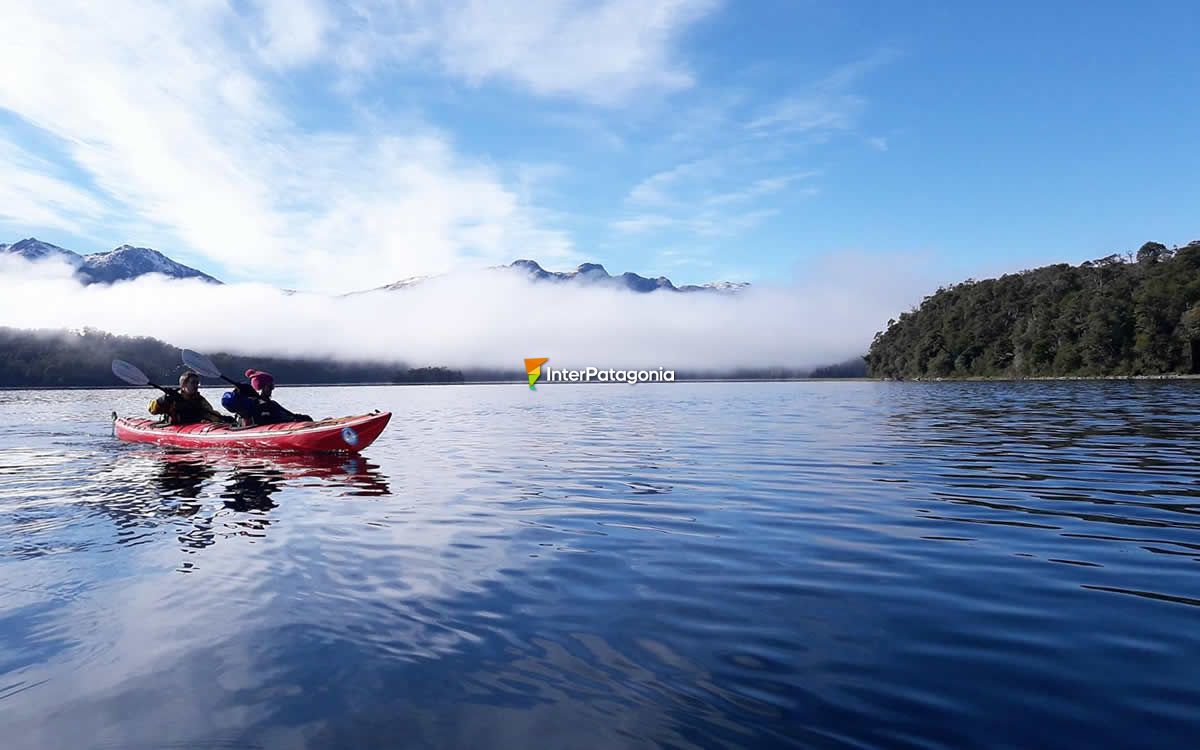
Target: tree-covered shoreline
[(1131, 315), (83, 359)]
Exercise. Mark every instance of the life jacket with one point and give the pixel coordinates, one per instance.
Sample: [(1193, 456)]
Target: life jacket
[(267, 411), (181, 410), (254, 410)]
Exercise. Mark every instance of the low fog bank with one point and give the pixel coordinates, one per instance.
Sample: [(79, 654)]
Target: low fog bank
[(485, 319)]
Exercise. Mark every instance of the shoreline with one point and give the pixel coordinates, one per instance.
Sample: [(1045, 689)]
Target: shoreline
[(1040, 378), (469, 382), (1011, 379)]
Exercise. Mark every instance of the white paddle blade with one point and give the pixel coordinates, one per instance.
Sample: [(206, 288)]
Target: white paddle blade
[(200, 363), (129, 373)]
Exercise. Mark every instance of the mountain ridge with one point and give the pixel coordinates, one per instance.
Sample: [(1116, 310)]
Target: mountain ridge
[(585, 274), (119, 264), (130, 262)]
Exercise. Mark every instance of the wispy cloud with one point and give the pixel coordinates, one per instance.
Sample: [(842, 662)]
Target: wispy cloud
[(600, 52), (762, 188), (681, 258), (190, 134), (704, 224), (31, 193), (661, 188), (705, 198), (179, 126), (708, 182), (751, 152), (292, 32), (603, 52), (808, 113), (830, 104)]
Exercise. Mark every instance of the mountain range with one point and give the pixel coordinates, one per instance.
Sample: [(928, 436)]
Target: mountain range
[(586, 274), (128, 262), (124, 263)]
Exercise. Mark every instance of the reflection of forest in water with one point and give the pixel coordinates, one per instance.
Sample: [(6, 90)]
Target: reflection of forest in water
[(151, 487)]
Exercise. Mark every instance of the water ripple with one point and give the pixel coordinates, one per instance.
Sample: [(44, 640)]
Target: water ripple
[(693, 565)]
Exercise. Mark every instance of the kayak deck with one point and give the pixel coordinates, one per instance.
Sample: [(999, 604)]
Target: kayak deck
[(334, 435)]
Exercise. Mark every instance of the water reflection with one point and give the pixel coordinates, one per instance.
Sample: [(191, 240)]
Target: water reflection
[(251, 489), (182, 476), (251, 479), (209, 495)]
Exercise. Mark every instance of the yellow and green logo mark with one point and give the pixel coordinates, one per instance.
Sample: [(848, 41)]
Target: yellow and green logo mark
[(533, 368)]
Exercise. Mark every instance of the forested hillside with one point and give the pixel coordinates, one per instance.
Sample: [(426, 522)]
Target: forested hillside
[(60, 358), (1134, 314)]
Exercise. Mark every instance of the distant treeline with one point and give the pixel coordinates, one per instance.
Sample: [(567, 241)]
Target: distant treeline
[(61, 358), (84, 359), (1134, 314)]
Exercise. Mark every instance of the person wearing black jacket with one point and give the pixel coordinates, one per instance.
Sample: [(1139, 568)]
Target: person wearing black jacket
[(253, 405)]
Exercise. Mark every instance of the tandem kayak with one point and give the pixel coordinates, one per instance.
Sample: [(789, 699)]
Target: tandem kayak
[(334, 435)]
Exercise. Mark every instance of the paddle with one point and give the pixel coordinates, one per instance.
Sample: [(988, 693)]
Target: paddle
[(132, 375), (205, 366)]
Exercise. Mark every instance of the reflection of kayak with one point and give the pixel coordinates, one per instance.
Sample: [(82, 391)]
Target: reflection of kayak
[(286, 465), (337, 435)]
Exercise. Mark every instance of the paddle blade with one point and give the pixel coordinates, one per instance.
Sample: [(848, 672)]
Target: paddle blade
[(200, 363), (129, 373)]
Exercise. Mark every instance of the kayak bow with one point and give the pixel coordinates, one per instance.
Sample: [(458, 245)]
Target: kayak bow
[(334, 435)]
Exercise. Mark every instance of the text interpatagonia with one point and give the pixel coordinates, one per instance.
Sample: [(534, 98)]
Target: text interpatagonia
[(590, 374)]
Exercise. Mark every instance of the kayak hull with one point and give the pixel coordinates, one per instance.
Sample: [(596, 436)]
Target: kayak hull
[(335, 435)]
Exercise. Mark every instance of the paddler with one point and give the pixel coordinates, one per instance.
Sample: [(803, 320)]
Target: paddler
[(186, 405), (253, 405)]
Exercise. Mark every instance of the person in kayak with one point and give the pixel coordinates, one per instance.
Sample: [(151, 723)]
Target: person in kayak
[(185, 405), (253, 405)]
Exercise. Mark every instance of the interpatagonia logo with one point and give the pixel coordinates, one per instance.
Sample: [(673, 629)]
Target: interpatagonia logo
[(533, 369)]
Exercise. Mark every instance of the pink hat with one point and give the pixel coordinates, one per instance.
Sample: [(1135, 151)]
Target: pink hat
[(258, 379)]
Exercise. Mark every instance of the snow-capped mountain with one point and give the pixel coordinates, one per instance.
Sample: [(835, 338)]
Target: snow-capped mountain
[(33, 249), (595, 274), (123, 263), (718, 286), (127, 262), (589, 274)]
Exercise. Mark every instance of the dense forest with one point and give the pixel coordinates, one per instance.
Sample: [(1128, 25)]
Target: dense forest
[(1133, 314), (60, 358)]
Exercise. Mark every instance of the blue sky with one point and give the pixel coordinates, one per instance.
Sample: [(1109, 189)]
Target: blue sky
[(307, 145)]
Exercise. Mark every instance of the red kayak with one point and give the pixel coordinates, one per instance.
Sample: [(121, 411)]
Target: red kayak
[(335, 435)]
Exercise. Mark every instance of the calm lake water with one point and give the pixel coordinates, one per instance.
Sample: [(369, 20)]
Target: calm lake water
[(678, 565)]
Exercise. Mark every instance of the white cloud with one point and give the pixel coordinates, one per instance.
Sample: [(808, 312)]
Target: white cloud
[(749, 168), (705, 224), (659, 189), (642, 223), (602, 52), (293, 32), (31, 193), (706, 198), (712, 181), (490, 318), (176, 124), (684, 258), (762, 188), (828, 105)]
